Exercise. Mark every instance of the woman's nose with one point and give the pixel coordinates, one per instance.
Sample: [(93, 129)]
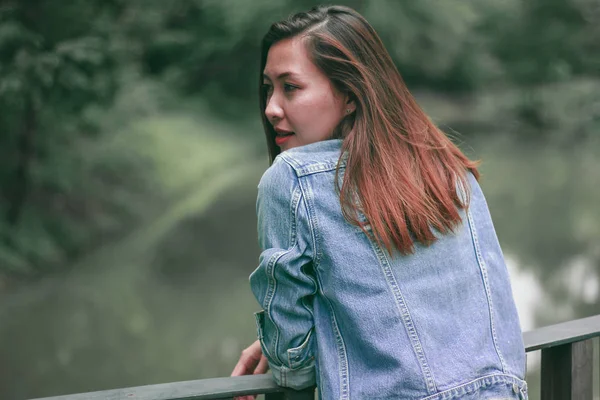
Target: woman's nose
[(273, 111)]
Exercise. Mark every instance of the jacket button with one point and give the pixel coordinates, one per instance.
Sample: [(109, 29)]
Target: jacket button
[(515, 388)]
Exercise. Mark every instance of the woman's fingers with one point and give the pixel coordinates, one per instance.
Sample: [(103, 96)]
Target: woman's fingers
[(250, 358), (245, 365), (240, 368), (262, 367), (251, 361)]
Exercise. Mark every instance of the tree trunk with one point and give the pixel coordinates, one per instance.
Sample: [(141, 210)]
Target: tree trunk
[(18, 190)]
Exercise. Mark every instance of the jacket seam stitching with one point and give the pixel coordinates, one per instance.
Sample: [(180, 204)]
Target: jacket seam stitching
[(302, 170), (343, 356), (269, 298), (406, 319), (316, 169), (302, 201), (341, 346), (271, 272), (309, 214), (475, 384), (344, 379), (309, 210), (261, 338), (488, 293)]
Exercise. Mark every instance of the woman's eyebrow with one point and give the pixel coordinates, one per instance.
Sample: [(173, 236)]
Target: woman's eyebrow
[(280, 76)]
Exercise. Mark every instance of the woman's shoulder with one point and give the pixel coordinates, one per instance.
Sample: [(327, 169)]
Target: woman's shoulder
[(280, 174), (291, 165), (313, 158)]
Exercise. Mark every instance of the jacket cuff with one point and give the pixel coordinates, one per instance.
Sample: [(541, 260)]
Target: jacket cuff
[(299, 378)]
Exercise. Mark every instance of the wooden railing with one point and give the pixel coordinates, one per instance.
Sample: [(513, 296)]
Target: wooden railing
[(567, 358), (567, 373)]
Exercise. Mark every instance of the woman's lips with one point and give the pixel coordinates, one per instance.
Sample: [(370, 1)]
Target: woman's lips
[(281, 139)]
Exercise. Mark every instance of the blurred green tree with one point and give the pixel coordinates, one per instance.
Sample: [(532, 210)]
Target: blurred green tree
[(58, 64), (54, 62)]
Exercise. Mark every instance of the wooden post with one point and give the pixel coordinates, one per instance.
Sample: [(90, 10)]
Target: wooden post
[(567, 371), (306, 394), (275, 396)]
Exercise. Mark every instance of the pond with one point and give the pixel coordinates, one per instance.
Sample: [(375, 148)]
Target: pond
[(171, 301)]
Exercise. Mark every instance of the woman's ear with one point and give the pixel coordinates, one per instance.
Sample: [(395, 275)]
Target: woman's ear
[(350, 104)]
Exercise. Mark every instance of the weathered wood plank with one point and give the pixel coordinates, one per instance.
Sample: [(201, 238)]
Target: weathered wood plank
[(582, 372), (553, 340), (556, 373), (567, 371), (216, 388), (566, 332)]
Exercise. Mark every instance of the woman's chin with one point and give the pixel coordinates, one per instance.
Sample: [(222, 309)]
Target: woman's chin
[(288, 145)]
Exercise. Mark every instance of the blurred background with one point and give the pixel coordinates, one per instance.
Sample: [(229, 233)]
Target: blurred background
[(131, 147)]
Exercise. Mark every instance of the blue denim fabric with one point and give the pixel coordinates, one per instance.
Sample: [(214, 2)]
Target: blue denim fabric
[(340, 312)]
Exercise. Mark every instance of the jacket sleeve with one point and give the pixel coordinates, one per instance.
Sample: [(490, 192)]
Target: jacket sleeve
[(283, 282)]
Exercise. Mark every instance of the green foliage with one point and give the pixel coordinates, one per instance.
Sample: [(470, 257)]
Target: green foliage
[(549, 41), (64, 69), (54, 64), (75, 79)]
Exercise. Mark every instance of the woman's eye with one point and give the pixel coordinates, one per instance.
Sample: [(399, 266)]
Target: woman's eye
[(289, 88)]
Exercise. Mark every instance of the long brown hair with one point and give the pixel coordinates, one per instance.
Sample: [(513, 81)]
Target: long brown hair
[(402, 172)]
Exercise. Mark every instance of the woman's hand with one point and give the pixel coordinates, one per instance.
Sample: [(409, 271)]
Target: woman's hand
[(252, 362)]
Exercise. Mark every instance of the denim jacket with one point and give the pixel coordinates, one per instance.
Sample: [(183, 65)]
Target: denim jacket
[(341, 313)]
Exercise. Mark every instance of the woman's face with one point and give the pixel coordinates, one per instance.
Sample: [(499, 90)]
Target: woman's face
[(302, 104)]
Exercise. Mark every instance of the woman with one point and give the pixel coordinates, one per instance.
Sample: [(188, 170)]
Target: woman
[(381, 276)]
